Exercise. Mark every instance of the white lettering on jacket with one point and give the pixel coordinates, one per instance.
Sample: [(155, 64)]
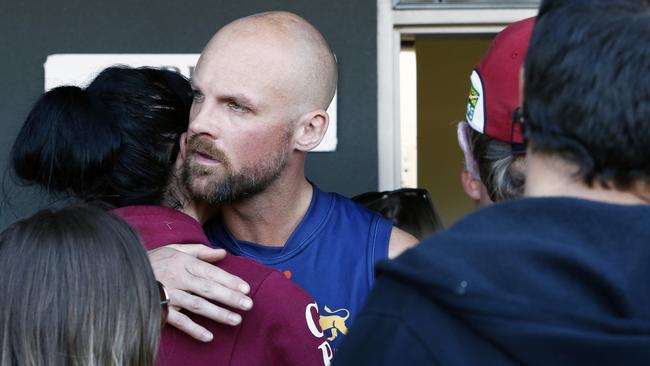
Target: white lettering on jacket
[(325, 347)]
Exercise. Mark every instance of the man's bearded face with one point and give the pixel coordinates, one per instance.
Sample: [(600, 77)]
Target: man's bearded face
[(218, 181)]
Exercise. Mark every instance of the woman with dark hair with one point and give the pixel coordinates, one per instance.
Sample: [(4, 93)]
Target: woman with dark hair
[(117, 142), (61, 272), (114, 141), (410, 209)]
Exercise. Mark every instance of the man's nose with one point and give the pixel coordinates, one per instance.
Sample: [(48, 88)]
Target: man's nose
[(203, 120)]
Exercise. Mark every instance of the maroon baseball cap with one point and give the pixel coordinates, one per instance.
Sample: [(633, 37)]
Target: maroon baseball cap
[(494, 92)]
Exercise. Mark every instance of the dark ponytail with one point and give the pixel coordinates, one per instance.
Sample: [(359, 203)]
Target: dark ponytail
[(67, 143), (116, 141)]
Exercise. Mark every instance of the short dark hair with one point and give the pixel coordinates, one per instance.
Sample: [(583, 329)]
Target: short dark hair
[(587, 95), (114, 141), (410, 209), (77, 289)]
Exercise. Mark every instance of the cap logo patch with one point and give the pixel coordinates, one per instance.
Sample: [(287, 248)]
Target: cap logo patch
[(475, 108), (471, 103)]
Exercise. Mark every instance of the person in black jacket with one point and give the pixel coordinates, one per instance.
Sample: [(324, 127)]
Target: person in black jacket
[(559, 277)]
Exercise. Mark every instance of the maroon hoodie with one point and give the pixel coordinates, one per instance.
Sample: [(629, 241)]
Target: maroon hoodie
[(281, 329)]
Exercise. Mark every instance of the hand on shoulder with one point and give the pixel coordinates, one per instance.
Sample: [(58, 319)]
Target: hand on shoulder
[(192, 281)]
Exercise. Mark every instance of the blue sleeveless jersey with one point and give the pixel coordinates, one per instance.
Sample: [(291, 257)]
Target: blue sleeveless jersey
[(331, 255)]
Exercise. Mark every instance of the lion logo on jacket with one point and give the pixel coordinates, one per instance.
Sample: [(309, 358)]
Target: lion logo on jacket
[(334, 323)]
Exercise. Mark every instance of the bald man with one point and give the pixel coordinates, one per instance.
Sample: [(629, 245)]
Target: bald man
[(262, 87)]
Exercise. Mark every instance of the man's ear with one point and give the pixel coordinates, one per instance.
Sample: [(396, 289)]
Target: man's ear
[(471, 185), (310, 130)]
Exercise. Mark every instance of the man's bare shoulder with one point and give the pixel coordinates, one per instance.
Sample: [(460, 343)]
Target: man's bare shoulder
[(400, 241)]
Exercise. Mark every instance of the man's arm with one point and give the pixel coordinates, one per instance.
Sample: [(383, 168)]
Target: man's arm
[(190, 279), (400, 240)]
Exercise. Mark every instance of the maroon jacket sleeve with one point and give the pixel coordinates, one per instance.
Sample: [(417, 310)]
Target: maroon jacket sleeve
[(290, 331)]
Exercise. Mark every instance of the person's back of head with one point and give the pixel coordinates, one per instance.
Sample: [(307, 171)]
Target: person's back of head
[(115, 141), (77, 289), (491, 140), (496, 167), (587, 89), (410, 209)]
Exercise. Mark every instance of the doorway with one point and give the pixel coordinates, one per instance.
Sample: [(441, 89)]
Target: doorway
[(443, 68), (445, 42)]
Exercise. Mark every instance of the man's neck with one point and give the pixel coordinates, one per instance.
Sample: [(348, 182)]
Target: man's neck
[(198, 210), (270, 217), (551, 176)]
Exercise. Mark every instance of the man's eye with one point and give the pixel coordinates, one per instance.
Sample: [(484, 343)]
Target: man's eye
[(237, 107), (197, 95)]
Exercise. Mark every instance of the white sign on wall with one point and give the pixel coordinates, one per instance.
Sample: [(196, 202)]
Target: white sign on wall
[(81, 69)]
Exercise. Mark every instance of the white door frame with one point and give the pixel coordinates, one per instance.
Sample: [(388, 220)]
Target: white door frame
[(391, 25)]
